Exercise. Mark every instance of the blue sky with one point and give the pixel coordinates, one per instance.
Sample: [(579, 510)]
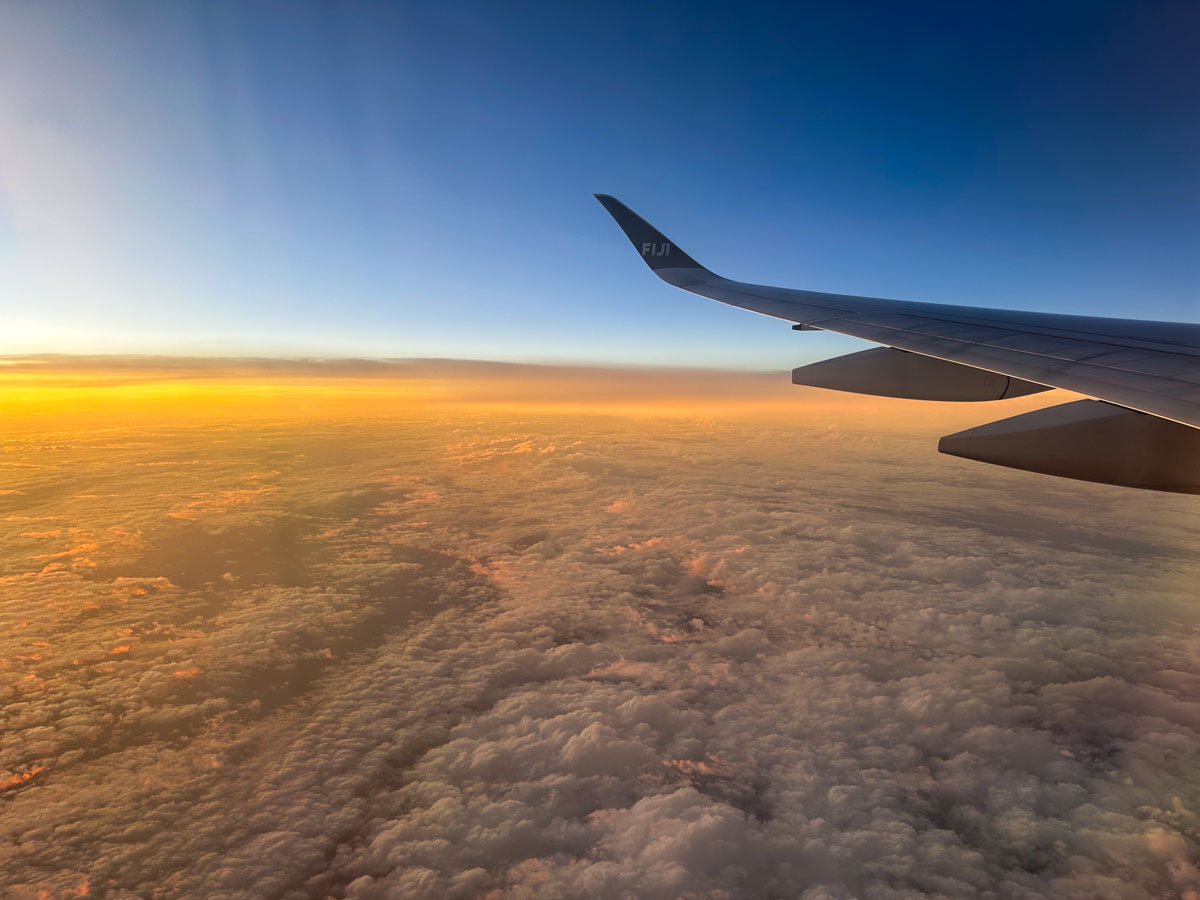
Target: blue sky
[(353, 179)]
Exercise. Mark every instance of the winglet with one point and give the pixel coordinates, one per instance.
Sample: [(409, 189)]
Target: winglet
[(652, 244)]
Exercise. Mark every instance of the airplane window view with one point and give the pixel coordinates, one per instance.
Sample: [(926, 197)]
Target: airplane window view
[(376, 524)]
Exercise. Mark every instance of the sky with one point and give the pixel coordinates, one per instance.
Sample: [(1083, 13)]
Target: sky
[(415, 180)]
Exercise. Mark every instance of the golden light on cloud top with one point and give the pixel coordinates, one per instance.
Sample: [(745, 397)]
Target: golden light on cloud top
[(39, 389), (300, 628)]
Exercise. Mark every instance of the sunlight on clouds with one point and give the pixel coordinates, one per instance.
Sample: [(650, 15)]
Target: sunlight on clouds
[(40, 389), (433, 629)]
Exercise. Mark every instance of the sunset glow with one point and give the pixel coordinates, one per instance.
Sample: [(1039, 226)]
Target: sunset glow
[(210, 567), (391, 509), (37, 393)]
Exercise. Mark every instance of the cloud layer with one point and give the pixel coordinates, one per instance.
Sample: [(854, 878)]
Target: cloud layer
[(560, 656)]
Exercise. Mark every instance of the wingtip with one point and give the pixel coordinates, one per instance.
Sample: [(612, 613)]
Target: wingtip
[(610, 203), (656, 251)]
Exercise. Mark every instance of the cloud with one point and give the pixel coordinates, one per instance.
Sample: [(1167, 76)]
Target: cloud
[(685, 658)]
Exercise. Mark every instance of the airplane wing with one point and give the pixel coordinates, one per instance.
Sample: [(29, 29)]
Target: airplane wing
[(1144, 432)]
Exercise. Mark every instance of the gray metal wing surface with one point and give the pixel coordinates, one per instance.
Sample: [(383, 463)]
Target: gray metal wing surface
[(1152, 367), (1149, 367)]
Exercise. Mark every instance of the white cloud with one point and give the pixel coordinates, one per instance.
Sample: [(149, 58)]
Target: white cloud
[(753, 678)]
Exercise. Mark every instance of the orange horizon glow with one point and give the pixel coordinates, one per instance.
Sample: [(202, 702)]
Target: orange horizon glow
[(50, 396)]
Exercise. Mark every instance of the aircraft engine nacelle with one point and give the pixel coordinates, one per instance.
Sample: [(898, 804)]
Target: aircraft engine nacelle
[(1089, 440), (887, 372)]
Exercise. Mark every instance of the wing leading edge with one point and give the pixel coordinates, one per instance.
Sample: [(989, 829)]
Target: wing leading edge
[(1147, 367)]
